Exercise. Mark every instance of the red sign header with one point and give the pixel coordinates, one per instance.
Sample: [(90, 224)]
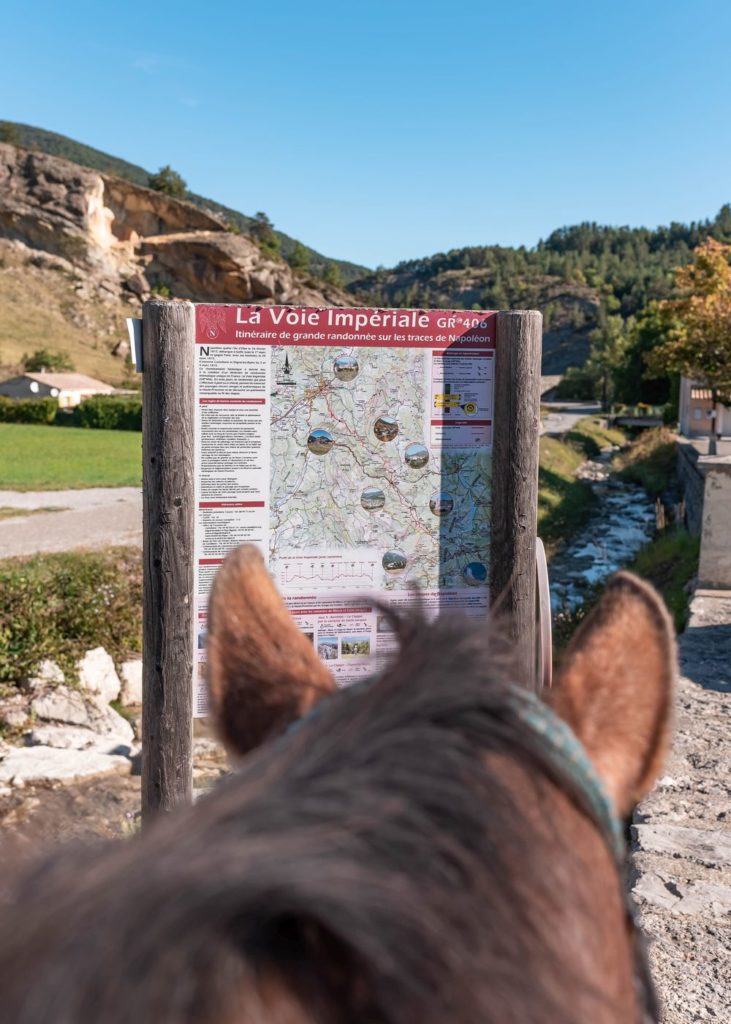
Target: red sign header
[(358, 327)]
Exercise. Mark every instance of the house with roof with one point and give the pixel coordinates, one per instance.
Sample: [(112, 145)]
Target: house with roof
[(69, 388), (697, 414)]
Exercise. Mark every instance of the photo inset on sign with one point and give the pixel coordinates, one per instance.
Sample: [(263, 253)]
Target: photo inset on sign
[(385, 428), (320, 441), (416, 455), (441, 504), (327, 647), (372, 499), (475, 574), (394, 562), (346, 367), (355, 646)]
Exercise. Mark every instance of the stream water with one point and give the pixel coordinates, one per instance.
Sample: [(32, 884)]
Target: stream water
[(624, 520)]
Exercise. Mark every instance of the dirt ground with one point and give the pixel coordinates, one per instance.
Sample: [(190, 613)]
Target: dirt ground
[(48, 813)]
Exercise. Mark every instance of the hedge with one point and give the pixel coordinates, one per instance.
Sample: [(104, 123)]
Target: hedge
[(28, 410), (59, 606), (109, 412)]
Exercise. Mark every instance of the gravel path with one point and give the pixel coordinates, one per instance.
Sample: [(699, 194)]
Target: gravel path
[(682, 832), (92, 518)]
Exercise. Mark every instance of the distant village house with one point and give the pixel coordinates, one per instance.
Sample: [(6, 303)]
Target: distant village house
[(69, 388), (698, 415)]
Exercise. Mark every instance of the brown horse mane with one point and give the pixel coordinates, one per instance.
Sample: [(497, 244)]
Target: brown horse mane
[(371, 866)]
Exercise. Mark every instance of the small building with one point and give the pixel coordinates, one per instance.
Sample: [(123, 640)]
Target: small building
[(696, 411), (68, 388)]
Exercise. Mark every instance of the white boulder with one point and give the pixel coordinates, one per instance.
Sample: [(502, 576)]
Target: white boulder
[(48, 673), (61, 705), (97, 674), (14, 711), (34, 764), (131, 672)]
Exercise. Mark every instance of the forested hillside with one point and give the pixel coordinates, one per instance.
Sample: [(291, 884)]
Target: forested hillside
[(574, 276)]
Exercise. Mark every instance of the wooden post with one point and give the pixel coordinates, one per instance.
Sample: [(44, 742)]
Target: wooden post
[(168, 506), (516, 431)]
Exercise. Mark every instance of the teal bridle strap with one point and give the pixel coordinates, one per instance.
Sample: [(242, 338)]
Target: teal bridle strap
[(571, 759), (565, 752)]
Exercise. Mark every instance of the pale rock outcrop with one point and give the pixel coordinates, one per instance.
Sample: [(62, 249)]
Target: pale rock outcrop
[(14, 711), (131, 673), (23, 765), (48, 673), (129, 240), (97, 674)]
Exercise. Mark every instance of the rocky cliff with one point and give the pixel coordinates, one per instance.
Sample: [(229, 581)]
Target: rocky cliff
[(113, 242)]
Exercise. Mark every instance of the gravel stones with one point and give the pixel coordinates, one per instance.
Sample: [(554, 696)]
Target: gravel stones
[(682, 833)]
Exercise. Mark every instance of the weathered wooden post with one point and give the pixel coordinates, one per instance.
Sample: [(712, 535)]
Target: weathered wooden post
[(515, 476), (168, 459)]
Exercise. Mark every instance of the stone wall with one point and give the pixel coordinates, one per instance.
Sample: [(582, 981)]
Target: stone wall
[(714, 570), (691, 483)]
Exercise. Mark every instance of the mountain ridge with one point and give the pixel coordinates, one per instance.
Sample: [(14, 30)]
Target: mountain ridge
[(55, 144), (576, 276)]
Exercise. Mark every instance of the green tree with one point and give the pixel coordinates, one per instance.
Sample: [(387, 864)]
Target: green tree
[(698, 340), (332, 274), (168, 181), (9, 133), (299, 258), (43, 359), (608, 344), (262, 231), (633, 381)]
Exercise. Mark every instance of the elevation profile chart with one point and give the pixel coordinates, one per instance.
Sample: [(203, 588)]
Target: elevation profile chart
[(353, 447), (308, 571)]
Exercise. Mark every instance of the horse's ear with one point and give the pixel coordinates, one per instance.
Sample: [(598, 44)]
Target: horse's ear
[(262, 671), (615, 688)]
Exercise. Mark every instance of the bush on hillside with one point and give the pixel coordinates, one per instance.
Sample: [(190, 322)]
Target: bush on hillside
[(43, 359), (109, 412), (576, 385), (650, 461), (60, 606), (28, 410), (168, 181)]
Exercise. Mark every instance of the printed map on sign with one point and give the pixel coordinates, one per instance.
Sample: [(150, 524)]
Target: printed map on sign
[(353, 448), (352, 468)]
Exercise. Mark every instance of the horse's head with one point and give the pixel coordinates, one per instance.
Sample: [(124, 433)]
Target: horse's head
[(614, 689), (417, 850)]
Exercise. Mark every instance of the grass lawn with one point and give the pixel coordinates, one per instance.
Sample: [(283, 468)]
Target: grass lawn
[(40, 458)]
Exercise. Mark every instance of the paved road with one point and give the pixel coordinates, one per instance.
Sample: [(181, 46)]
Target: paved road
[(563, 416), (92, 518)]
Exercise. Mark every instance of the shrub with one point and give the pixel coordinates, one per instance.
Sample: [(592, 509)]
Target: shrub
[(28, 410), (650, 461), (578, 385), (168, 181), (109, 412), (43, 359), (59, 606)]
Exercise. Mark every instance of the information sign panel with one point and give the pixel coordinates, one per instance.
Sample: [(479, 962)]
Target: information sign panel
[(354, 448)]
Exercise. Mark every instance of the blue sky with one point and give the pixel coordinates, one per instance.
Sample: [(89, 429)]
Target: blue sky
[(390, 129)]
